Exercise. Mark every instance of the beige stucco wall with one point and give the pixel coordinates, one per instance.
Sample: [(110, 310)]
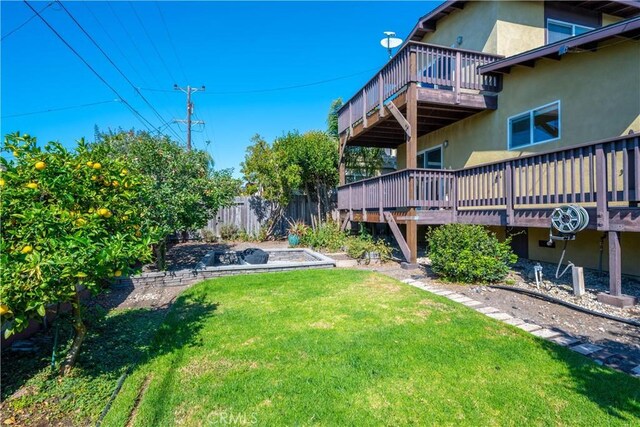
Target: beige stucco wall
[(609, 19), (501, 27), (520, 26), (476, 23), (585, 250), (599, 94)]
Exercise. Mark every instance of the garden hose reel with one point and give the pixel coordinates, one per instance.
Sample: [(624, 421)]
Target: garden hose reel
[(568, 220)]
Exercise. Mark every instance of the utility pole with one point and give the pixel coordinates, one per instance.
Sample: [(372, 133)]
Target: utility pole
[(189, 90)]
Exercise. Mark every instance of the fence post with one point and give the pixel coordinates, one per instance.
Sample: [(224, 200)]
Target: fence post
[(601, 189), (508, 191), (454, 198)]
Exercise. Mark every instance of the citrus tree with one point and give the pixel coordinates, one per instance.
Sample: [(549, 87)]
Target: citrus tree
[(71, 220), (186, 189)]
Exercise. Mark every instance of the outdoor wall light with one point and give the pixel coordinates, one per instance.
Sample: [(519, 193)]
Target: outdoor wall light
[(445, 144), (459, 40)]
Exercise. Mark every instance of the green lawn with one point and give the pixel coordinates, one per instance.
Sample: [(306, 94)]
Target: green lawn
[(341, 347)]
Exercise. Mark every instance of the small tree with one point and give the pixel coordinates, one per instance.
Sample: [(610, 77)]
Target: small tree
[(70, 221), (316, 155), (186, 190), (269, 175)]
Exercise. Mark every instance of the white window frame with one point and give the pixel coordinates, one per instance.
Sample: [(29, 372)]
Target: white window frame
[(435, 147), (569, 24), (532, 126)]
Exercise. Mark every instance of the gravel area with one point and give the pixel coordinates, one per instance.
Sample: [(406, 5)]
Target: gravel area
[(619, 339)]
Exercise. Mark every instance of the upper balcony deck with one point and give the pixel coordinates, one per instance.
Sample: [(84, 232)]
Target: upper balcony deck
[(448, 88)]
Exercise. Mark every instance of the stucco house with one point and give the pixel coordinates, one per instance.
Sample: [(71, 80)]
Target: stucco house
[(500, 112)]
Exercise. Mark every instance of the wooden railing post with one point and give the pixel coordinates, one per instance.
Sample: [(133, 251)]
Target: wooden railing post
[(381, 92), (350, 119), (508, 192), (364, 201), (454, 198), (350, 203), (380, 195), (364, 108), (601, 190), (458, 76)]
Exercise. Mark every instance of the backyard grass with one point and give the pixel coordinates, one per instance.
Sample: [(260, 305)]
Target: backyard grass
[(341, 347)]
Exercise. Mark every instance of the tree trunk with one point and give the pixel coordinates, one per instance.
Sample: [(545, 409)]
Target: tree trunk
[(161, 252), (81, 331)]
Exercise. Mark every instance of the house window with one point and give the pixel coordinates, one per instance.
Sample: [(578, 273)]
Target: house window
[(559, 30), (430, 158), (536, 126)]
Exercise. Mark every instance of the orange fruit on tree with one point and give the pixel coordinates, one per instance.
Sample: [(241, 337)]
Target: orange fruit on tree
[(4, 309), (117, 273), (103, 212), (2, 182), (32, 185), (40, 165), (27, 249), (115, 183), (90, 164), (97, 165)]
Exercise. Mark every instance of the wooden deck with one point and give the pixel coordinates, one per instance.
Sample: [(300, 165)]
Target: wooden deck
[(603, 177), (448, 89), (517, 192)]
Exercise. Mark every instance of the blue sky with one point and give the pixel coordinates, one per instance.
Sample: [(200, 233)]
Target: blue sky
[(238, 50)]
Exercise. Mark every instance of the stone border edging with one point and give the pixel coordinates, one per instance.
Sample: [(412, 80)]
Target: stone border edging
[(588, 349), (187, 277)]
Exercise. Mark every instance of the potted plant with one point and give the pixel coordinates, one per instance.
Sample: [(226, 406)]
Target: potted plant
[(297, 229)]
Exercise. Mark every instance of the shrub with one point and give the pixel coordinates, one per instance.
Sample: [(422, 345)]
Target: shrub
[(361, 247), (469, 253), (229, 232), (327, 235), (208, 236)]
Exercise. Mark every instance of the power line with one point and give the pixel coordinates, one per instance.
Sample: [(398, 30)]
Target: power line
[(173, 47), (153, 45), (140, 117), (162, 120), (51, 110), (276, 89), (25, 22), (141, 55)]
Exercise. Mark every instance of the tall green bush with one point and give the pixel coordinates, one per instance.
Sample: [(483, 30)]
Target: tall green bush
[(469, 253)]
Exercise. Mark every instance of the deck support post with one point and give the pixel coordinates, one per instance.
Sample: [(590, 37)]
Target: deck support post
[(412, 156), (615, 296)]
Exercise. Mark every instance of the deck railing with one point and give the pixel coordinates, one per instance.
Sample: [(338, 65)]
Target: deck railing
[(434, 67), (601, 172)]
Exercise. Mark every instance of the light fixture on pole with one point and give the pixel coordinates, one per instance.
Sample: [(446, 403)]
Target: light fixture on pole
[(390, 42)]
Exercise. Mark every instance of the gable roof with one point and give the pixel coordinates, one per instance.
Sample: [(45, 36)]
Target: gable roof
[(629, 28), (427, 23)]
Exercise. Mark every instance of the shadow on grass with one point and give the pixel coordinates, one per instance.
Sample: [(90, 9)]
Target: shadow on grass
[(616, 393), (115, 341)]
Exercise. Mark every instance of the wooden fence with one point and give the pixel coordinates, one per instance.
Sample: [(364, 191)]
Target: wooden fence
[(249, 214)]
